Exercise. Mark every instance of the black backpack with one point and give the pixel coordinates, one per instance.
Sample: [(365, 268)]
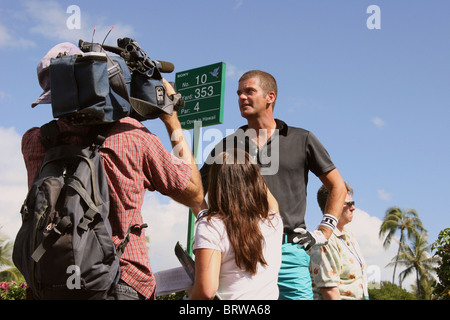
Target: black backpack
[(64, 248)]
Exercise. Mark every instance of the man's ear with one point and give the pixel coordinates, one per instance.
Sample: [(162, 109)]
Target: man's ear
[(271, 97)]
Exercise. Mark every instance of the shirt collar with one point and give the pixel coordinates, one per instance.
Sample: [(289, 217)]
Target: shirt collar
[(281, 126), (338, 233)]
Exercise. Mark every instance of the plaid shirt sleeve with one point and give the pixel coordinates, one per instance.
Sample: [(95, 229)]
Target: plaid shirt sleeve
[(33, 153), (135, 161)]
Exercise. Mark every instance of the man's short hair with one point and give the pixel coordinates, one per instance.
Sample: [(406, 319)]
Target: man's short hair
[(322, 195), (266, 81)]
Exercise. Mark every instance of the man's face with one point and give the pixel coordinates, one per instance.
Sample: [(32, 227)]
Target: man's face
[(252, 99), (347, 212)]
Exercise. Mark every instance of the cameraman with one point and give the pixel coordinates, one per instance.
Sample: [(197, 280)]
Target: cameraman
[(134, 161)]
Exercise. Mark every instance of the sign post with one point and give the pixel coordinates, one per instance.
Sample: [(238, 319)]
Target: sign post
[(203, 91)]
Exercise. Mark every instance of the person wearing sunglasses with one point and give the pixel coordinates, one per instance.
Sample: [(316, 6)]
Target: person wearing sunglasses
[(338, 268)]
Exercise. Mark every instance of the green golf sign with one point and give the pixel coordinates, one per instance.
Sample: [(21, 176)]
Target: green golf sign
[(202, 90)]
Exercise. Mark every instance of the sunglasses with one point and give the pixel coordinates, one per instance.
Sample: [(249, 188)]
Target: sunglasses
[(350, 203)]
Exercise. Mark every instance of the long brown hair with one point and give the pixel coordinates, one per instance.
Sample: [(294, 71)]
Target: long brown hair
[(237, 194)]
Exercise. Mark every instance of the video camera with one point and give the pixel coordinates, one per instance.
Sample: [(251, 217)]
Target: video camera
[(140, 82)]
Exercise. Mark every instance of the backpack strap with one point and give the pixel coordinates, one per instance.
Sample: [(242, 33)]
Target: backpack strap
[(49, 134), (92, 211), (55, 233)]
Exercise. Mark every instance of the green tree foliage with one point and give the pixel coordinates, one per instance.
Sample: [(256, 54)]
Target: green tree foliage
[(390, 291), (8, 272), (417, 259), (442, 247), (173, 296), (396, 220)]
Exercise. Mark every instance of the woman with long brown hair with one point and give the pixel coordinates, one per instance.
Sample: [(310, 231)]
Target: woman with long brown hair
[(237, 242)]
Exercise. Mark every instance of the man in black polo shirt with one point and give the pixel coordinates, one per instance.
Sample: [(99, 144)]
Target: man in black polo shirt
[(285, 155)]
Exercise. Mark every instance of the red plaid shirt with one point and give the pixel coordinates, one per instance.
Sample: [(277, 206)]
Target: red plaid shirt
[(135, 161)]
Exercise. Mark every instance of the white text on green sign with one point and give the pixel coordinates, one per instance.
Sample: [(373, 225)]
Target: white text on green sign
[(202, 89)]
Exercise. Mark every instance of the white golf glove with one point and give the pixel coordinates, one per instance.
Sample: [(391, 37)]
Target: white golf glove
[(308, 239)]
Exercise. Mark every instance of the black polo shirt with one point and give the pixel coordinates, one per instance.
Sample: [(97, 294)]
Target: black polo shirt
[(285, 161)]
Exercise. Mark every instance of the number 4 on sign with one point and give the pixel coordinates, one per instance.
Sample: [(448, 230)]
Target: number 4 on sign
[(197, 106)]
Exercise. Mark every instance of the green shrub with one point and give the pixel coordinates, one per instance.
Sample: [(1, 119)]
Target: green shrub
[(390, 291), (13, 290), (442, 247)]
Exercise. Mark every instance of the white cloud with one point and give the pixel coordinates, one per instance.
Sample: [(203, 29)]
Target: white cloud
[(49, 19), (233, 72), (13, 183), (51, 22), (366, 228), (168, 224), (383, 195), (4, 96), (238, 4), (378, 122), (8, 39)]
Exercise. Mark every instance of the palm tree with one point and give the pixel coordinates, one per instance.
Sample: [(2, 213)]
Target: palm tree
[(396, 219), (418, 258), (8, 271)]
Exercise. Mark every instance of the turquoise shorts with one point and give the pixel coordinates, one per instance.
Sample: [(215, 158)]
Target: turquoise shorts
[(294, 279)]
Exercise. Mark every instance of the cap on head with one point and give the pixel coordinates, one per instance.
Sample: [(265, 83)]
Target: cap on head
[(43, 69)]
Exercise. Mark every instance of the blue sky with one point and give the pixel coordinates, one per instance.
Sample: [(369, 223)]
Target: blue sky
[(378, 99)]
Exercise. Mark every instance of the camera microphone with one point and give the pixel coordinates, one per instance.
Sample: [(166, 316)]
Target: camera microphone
[(164, 66), (130, 51)]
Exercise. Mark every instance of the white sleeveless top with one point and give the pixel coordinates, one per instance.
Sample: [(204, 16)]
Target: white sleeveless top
[(236, 283)]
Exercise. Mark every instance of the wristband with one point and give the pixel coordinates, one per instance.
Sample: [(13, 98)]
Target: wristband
[(329, 221)]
